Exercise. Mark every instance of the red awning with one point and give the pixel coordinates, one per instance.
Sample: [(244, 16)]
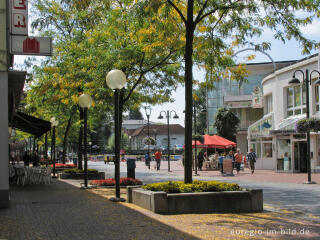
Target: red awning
[(214, 141)]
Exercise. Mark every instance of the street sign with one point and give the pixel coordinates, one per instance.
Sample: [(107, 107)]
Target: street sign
[(18, 17), (26, 45)]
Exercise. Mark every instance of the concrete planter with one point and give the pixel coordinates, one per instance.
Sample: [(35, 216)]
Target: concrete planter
[(199, 202), (91, 176)]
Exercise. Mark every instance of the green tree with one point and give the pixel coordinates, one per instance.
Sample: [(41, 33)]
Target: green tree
[(240, 20), (135, 114), (226, 123)]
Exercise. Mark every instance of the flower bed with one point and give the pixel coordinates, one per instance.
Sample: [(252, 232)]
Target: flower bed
[(112, 182), (75, 173), (196, 186), (61, 165)]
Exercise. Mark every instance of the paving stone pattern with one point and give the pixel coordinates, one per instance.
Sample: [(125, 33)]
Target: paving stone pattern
[(62, 211)]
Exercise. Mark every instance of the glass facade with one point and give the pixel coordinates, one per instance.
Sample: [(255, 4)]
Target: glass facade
[(284, 155), (227, 87)]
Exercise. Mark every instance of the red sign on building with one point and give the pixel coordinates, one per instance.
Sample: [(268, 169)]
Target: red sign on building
[(31, 45), (19, 17)]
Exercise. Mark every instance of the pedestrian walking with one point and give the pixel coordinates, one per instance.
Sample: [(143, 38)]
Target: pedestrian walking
[(252, 159), (221, 158), (200, 160), (158, 156), (238, 160), (147, 159)]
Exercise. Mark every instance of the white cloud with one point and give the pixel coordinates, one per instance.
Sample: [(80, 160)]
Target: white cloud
[(312, 30)]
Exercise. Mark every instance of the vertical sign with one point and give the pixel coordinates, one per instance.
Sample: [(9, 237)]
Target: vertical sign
[(19, 17), (257, 98)]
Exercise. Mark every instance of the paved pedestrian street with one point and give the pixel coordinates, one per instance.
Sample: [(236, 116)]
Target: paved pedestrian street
[(62, 211), (281, 192)]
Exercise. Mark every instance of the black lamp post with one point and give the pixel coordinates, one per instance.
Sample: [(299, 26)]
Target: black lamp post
[(54, 123), (85, 102), (116, 80), (195, 140), (147, 109), (306, 80), (168, 116)]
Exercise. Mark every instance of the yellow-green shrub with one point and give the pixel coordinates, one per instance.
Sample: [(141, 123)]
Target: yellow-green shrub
[(196, 186)]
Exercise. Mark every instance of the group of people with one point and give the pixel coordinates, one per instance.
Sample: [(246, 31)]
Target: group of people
[(157, 157), (237, 159), (33, 158)]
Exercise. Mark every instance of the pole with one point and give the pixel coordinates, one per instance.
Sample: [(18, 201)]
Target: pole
[(168, 117), (308, 131), (46, 148), (195, 140), (53, 151), (148, 117), (85, 113), (117, 143)]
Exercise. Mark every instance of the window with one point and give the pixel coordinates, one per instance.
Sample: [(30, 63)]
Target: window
[(268, 108), (317, 98), (296, 100)]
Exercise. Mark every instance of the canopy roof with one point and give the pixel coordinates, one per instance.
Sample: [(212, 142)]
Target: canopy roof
[(214, 141), (30, 124)]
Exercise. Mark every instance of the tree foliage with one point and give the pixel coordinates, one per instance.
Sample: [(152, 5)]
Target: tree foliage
[(226, 123)]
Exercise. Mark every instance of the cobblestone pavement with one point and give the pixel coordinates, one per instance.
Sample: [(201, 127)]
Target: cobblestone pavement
[(62, 211), (300, 200)]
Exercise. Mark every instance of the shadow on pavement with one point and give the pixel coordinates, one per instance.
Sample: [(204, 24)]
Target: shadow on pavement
[(63, 211)]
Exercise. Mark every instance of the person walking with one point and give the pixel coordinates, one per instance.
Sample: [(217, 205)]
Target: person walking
[(252, 159), (238, 160), (221, 158), (147, 159), (158, 156), (231, 156), (200, 160)]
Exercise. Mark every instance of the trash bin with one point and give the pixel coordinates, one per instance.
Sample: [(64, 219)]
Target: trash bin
[(131, 168)]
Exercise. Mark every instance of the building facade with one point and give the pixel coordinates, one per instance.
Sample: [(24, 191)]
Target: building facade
[(241, 98), (160, 134), (274, 138)]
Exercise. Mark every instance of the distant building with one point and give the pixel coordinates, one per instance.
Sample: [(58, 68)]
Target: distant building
[(245, 99), (160, 134), (130, 126)]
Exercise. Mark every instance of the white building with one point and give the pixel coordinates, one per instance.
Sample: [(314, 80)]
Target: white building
[(160, 134), (274, 138)]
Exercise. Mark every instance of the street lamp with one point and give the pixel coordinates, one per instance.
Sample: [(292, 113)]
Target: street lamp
[(168, 116), (116, 80), (147, 110), (306, 80), (54, 123), (195, 140), (85, 102)]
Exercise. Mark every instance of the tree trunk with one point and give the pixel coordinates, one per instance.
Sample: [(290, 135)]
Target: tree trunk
[(65, 139), (188, 94), (80, 140)]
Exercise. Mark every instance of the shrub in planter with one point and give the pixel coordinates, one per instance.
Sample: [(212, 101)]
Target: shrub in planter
[(196, 186), (76, 170), (112, 182)]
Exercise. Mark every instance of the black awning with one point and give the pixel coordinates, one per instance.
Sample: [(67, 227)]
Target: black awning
[(30, 124), (275, 132)]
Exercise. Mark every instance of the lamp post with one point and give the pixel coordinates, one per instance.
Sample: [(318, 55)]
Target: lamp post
[(168, 116), (147, 110), (116, 80), (85, 102), (195, 140), (306, 80), (54, 123)]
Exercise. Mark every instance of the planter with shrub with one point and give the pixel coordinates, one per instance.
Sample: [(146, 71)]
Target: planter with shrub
[(75, 173), (198, 197)]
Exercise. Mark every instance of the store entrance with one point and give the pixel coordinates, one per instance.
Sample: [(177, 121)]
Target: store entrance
[(300, 156)]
